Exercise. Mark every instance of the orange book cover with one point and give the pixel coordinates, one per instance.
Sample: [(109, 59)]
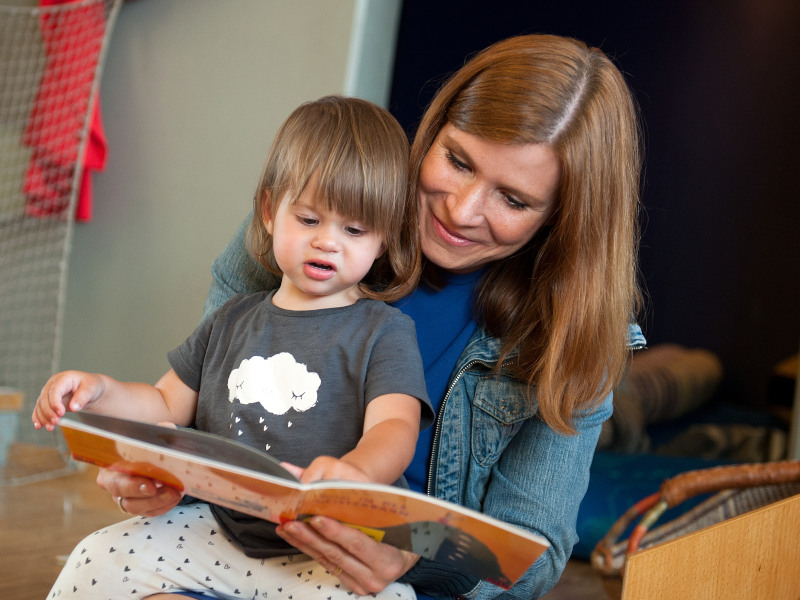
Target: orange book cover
[(231, 474)]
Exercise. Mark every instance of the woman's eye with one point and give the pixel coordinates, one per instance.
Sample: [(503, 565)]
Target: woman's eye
[(514, 203), (458, 164)]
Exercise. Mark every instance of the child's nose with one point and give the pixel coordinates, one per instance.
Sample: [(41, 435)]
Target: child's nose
[(326, 242)]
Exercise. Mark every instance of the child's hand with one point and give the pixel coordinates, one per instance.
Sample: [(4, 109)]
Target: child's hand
[(69, 390), (327, 467), (293, 469)]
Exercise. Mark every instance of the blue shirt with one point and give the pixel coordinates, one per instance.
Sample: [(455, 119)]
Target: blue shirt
[(445, 320)]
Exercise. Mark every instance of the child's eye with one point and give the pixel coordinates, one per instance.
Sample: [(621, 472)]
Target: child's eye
[(307, 220), (355, 231), (457, 163)]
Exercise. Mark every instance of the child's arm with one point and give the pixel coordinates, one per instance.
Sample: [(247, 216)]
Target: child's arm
[(391, 427), (168, 400)]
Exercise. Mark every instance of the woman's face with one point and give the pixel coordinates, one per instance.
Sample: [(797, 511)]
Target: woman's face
[(481, 201)]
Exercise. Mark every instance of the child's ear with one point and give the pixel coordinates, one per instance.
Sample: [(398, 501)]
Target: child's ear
[(380, 253), (265, 212)]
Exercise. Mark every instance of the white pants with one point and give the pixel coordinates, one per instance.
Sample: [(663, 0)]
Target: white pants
[(184, 550)]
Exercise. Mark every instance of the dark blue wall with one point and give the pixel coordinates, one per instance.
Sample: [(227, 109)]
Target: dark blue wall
[(718, 82)]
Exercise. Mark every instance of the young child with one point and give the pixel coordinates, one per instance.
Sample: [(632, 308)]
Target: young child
[(320, 372)]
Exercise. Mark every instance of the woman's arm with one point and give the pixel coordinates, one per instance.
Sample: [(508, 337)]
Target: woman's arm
[(234, 271), (538, 484)]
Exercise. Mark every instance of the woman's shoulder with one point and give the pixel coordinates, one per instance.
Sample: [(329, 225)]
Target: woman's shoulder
[(636, 339), (484, 347), (240, 303)]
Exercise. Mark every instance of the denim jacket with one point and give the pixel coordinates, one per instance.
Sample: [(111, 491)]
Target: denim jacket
[(492, 453)]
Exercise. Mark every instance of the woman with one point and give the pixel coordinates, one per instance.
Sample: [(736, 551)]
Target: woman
[(527, 173)]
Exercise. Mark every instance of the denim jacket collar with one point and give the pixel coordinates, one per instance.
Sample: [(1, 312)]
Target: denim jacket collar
[(484, 348)]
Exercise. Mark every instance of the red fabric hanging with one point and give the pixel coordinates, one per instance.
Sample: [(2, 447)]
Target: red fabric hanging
[(72, 40)]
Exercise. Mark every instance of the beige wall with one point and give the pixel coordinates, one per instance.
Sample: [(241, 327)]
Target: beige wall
[(192, 94)]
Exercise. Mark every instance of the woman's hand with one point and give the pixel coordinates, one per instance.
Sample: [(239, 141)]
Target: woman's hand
[(138, 495), (362, 564)]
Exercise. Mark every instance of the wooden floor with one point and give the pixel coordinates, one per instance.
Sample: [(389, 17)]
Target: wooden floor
[(41, 522), (580, 582)]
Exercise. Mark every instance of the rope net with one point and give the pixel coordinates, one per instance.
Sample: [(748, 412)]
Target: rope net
[(50, 64)]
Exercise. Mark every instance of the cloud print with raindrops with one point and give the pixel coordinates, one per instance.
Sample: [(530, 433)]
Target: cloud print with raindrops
[(278, 383)]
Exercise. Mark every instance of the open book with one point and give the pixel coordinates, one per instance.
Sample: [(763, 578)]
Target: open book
[(231, 474)]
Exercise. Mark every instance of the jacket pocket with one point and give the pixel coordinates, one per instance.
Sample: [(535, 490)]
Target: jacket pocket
[(499, 410)]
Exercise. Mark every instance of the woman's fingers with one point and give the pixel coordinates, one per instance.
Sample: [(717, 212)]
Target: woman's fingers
[(142, 496), (162, 502), (362, 564), (117, 484), (306, 539), (327, 553)]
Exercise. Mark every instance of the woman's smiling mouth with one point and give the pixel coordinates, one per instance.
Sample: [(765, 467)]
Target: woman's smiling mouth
[(448, 236)]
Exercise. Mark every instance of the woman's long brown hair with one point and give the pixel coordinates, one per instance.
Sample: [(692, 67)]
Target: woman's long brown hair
[(562, 305)]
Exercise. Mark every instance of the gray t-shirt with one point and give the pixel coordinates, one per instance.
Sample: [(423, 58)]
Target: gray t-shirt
[(295, 383)]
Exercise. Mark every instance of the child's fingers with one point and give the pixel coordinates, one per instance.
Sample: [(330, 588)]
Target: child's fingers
[(328, 467), (39, 418), (72, 391), (80, 390), (46, 413), (293, 469), (68, 390), (313, 472), (322, 467), (43, 416)]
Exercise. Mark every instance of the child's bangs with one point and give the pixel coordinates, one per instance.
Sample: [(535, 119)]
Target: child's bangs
[(344, 191), (344, 154)]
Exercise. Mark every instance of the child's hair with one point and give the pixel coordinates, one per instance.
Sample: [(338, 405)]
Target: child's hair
[(356, 154)]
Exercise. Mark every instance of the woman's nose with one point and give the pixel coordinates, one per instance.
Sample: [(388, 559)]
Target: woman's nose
[(465, 205)]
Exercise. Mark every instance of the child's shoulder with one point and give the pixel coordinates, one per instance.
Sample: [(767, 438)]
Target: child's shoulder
[(380, 311)]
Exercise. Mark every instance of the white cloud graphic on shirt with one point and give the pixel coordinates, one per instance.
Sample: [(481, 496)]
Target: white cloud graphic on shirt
[(278, 383)]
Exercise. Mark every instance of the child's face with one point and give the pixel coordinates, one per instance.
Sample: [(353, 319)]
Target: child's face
[(322, 254)]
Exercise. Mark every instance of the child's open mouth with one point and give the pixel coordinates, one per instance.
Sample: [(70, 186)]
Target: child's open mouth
[(319, 270), (321, 266)]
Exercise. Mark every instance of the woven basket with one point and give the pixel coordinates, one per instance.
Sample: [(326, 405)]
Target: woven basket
[(735, 490)]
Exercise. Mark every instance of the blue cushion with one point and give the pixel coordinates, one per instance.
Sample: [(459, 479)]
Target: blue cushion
[(617, 482)]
